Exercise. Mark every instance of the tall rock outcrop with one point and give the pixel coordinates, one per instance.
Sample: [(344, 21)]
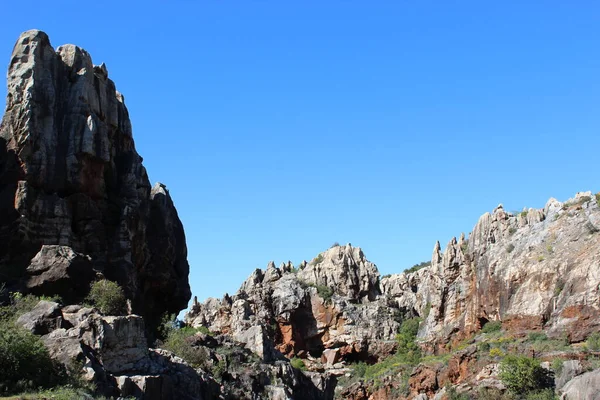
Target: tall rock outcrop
[(75, 199)]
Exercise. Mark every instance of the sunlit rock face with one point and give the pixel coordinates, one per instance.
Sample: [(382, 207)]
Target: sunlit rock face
[(75, 200)]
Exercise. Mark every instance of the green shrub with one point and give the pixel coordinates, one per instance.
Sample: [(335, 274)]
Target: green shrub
[(25, 362), (298, 363), (427, 310), (546, 394), (492, 326), (522, 375), (493, 394), (496, 352), (418, 266), (452, 394), (483, 347), (593, 341), (317, 260), (537, 336), (523, 214), (359, 369), (408, 349), (557, 366), (325, 292), (512, 230), (510, 248), (180, 344), (598, 198), (108, 297)]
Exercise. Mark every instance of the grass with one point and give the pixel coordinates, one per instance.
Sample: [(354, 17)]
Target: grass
[(58, 393)]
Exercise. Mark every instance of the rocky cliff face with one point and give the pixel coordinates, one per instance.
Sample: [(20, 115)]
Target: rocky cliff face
[(329, 309), (535, 270), (75, 200)]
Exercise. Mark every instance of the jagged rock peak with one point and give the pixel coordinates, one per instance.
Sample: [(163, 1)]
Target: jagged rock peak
[(75, 192), (344, 269)]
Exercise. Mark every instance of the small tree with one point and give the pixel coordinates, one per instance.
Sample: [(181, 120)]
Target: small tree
[(523, 375), (408, 349), (24, 361), (108, 297)]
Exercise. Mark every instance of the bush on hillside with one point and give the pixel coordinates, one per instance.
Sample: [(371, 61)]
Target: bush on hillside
[(408, 349), (108, 297), (24, 361), (325, 292), (593, 341), (492, 326), (523, 375), (178, 341)]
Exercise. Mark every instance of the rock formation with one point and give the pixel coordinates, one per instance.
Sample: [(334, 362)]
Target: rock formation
[(536, 270), (75, 200), (328, 308)]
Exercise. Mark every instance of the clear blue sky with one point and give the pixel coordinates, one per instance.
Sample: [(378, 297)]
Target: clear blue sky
[(281, 127)]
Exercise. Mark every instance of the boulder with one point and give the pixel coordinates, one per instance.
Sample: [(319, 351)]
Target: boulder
[(45, 317)]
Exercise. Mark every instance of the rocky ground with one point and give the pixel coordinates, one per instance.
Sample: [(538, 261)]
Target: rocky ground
[(76, 208)]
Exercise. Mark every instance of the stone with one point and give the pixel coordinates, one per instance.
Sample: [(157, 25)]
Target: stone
[(45, 317), (583, 387), (75, 200)]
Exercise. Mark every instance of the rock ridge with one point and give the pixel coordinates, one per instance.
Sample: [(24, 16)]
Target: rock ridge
[(75, 200)]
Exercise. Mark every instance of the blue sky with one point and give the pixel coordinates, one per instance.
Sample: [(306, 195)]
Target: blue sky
[(280, 127)]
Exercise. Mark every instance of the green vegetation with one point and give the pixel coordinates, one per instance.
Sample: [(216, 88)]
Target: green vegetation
[(512, 230), (25, 364), (317, 260), (545, 394), (325, 292), (560, 285), (524, 375), (557, 366), (510, 248), (418, 266), (496, 352), (108, 297), (178, 342), (492, 326), (427, 310), (523, 213), (408, 349), (465, 247), (452, 394), (298, 363), (598, 198), (537, 336), (541, 258), (593, 341)]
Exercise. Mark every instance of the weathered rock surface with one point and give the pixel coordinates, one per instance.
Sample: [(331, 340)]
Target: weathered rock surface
[(75, 200), (532, 271), (44, 318), (583, 387), (331, 304)]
